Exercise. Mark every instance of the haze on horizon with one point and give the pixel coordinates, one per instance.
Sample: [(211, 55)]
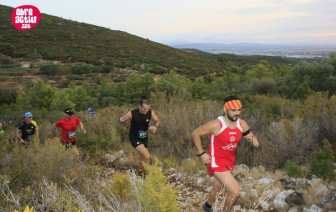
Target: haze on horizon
[(200, 21)]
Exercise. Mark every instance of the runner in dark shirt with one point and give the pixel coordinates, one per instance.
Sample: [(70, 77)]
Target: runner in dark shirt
[(27, 129), (138, 136)]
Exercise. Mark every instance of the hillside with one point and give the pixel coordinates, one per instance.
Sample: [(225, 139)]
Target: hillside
[(67, 41)]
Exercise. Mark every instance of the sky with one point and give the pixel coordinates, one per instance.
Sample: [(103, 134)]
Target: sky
[(203, 21)]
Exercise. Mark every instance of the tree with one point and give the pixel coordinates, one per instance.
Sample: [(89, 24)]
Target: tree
[(218, 88), (264, 86), (133, 89), (199, 89), (322, 163), (258, 71), (147, 82), (41, 95), (7, 96), (317, 75), (81, 99), (60, 101), (171, 82), (303, 91)]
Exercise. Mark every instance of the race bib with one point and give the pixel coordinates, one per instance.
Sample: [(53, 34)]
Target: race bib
[(142, 134), (71, 134)]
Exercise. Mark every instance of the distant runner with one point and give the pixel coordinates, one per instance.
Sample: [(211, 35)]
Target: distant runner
[(138, 134), (69, 125), (2, 132), (91, 111), (27, 129), (225, 134)]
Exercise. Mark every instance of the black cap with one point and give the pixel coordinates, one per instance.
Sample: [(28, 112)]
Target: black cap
[(69, 111)]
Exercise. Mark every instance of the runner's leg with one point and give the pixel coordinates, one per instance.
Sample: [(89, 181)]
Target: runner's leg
[(144, 156), (227, 179), (217, 186)]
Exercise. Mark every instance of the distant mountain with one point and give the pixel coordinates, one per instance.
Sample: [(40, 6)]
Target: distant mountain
[(283, 50)]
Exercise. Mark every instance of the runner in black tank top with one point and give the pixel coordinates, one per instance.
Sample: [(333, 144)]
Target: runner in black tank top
[(139, 127), (138, 135)]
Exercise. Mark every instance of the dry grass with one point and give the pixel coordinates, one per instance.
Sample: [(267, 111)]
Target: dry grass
[(192, 165), (310, 194)]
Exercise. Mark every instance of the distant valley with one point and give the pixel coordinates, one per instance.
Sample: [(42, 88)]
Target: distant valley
[(289, 51)]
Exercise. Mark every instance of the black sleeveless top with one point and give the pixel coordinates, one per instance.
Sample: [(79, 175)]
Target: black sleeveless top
[(139, 125)]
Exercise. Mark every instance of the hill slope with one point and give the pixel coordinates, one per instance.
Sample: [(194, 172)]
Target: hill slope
[(69, 41)]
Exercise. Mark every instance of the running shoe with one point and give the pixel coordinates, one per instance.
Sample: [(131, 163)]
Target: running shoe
[(206, 208)]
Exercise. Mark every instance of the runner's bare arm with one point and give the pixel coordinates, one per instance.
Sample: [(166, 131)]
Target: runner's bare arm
[(250, 137), (82, 127), (37, 133), (156, 119), (19, 136), (212, 127), (126, 117)]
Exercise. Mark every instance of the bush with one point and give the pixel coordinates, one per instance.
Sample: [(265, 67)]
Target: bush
[(7, 62), (157, 196), (53, 69), (7, 49), (81, 68), (103, 69), (121, 185), (322, 163), (30, 166), (292, 169), (7, 96)]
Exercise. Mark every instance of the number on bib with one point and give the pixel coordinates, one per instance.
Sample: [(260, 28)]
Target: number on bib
[(71, 134)]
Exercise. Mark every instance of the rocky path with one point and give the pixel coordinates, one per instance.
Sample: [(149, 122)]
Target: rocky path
[(190, 196), (261, 190)]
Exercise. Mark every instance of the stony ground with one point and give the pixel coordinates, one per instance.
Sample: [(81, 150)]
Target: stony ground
[(283, 191), (190, 196)]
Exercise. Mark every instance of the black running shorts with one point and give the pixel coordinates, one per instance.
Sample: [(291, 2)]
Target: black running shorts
[(136, 143)]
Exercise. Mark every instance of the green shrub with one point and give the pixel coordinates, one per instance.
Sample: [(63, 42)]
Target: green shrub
[(121, 185), (7, 49), (322, 163), (53, 69), (7, 95), (81, 68), (7, 62), (157, 196), (292, 169)]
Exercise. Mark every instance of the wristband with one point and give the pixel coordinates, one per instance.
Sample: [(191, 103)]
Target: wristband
[(199, 155)]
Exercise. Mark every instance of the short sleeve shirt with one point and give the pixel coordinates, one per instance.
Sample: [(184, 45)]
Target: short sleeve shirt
[(27, 130), (68, 128)]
